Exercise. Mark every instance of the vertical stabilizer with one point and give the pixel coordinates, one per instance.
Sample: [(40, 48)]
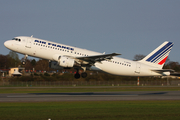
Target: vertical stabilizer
[(158, 57)]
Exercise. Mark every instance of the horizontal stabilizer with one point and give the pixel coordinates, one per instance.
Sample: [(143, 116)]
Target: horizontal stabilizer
[(175, 74), (163, 70)]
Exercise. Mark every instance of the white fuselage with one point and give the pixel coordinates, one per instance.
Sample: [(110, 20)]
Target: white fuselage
[(46, 50)]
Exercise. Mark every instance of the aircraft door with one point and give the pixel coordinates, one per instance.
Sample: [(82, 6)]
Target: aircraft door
[(28, 43), (138, 68)]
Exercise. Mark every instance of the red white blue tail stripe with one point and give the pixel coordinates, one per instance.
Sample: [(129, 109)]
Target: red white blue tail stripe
[(160, 55)]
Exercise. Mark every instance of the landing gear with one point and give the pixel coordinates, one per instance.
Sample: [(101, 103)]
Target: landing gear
[(24, 60), (84, 75), (77, 75)]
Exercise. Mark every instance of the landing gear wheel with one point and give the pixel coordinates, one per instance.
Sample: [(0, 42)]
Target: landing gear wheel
[(23, 62), (77, 76), (84, 75)]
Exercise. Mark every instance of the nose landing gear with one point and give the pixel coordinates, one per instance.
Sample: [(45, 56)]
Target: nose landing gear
[(24, 59)]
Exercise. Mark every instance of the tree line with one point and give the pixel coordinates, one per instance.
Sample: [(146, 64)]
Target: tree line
[(12, 60)]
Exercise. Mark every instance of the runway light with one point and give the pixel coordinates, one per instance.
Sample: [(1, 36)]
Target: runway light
[(49, 119)]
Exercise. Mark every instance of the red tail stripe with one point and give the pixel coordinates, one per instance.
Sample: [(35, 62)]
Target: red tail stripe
[(163, 61)]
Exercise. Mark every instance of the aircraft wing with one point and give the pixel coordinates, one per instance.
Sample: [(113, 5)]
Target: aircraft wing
[(96, 58)]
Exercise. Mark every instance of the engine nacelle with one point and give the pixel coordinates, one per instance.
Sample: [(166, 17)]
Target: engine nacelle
[(65, 61)]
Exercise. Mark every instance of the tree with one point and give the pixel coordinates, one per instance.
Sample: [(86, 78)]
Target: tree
[(138, 57), (33, 62), (13, 59), (13, 55), (4, 61), (174, 65), (28, 65), (42, 65)]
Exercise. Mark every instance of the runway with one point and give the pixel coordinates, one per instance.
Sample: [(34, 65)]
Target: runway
[(91, 96)]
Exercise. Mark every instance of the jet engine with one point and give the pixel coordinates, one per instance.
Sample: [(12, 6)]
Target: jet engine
[(65, 61)]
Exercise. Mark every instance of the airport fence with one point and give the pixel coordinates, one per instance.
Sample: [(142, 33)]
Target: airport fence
[(88, 83)]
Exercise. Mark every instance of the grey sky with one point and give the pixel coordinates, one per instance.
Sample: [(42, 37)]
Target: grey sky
[(128, 27)]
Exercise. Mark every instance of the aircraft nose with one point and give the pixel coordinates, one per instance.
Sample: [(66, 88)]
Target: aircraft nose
[(7, 44)]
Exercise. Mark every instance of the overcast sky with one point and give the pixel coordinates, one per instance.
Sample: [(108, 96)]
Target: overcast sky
[(128, 27)]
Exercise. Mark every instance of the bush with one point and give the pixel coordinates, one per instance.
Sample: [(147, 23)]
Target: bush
[(46, 74)]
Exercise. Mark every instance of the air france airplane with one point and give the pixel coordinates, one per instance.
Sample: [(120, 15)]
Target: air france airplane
[(64, 56)]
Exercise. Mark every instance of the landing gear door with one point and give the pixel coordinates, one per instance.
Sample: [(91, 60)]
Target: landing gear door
[(28, 43)]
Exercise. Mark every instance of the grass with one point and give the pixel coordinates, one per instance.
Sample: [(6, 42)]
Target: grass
[(96, 110), (83, 89), (89, 110)]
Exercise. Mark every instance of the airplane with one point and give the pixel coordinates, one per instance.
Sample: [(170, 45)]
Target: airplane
[(63, 56)]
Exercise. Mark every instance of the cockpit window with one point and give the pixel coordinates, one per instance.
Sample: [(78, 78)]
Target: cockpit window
[(16, 39)]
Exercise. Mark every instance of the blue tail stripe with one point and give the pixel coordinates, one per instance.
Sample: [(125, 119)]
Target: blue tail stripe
[(159, 51), (167, 50), (163, 55)]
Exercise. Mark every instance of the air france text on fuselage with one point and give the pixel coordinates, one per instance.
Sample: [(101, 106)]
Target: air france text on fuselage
[(54, 45)]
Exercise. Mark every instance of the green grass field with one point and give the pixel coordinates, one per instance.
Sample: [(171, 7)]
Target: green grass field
[(91, 110)]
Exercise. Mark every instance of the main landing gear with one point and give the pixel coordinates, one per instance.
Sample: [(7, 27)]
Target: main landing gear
[(24, 59), (78, 75)]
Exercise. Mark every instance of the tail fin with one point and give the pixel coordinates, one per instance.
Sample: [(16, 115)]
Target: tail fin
[(158, 57)]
